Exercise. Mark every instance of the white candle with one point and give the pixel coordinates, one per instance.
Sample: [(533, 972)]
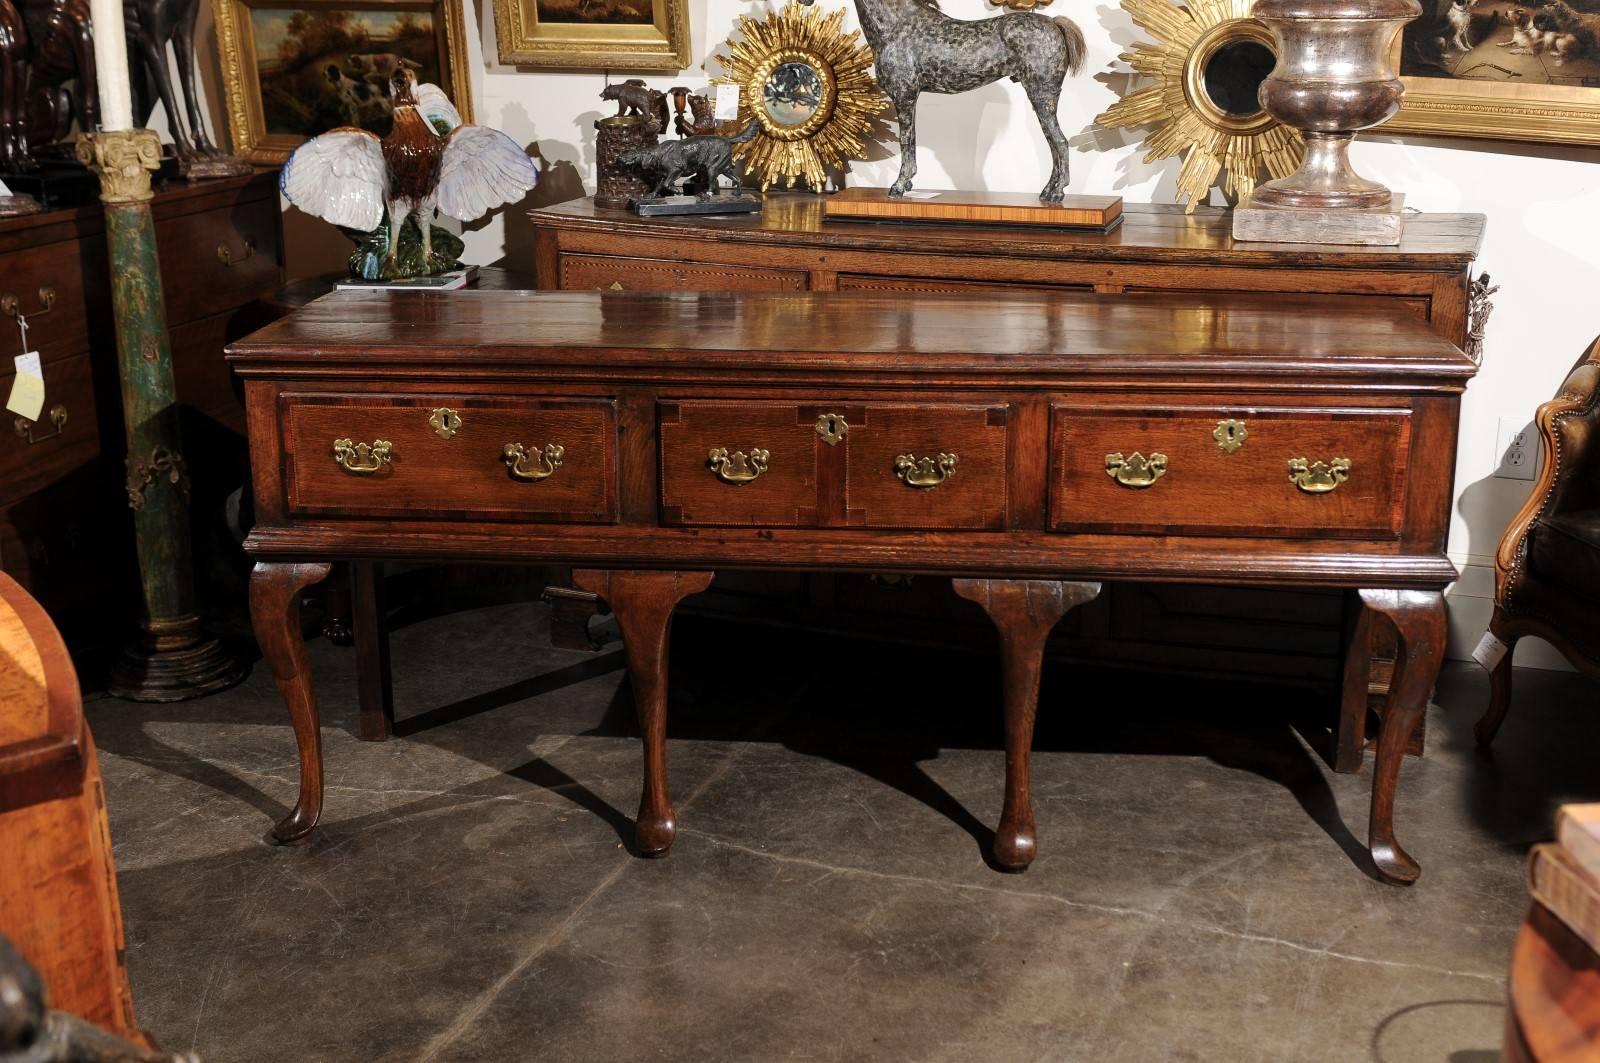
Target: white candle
[(111, 65)]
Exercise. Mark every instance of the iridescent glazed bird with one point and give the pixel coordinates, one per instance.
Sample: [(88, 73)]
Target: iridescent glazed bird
[(351, 178)]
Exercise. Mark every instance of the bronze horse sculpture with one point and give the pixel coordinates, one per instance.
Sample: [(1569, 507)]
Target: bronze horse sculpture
[(916, 48), (151, 26)]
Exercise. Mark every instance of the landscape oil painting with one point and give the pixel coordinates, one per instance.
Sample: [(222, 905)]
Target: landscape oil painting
[(294, 70), (598, 12), (1511, 69)]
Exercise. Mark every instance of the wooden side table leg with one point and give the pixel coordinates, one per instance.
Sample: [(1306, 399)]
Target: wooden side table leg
[(1350, 739), (643, 601), (374, 683), (1024, 611), (1419, 622), (275, 613)]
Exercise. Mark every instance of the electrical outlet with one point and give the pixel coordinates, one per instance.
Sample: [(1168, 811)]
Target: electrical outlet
[(1516, 450)]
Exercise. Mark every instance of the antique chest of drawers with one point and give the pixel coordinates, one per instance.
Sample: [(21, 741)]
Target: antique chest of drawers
[(1296, 635), (62, 479), (1029, 447)]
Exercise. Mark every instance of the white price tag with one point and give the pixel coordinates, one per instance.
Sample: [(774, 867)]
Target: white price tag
[(914, 194), (727, 103), (4, 191), (1490, 651), (27, 390)]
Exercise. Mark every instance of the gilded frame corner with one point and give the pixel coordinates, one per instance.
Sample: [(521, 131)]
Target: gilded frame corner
[(242, 89), (1495, 110), (660, 47)]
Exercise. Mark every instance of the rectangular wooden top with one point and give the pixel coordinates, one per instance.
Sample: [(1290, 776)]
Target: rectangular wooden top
[(849, 332), (1149, 233)]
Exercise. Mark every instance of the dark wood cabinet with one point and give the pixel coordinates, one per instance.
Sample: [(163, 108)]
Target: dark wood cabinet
[(65, 533), (1276, 633)]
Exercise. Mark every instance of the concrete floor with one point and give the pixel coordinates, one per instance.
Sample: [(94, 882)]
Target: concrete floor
[(1200, 893)]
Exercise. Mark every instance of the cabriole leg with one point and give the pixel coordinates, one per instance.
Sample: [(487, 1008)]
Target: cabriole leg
[(275, 613), (1419, 621), (1024, 611), (643, 602)]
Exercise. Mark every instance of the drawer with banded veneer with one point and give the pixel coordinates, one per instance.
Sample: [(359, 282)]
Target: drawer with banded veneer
[(738, 463), (862, 282), (579, 272), (441, 457), (926, 466), (1267, 472), (833, 464)]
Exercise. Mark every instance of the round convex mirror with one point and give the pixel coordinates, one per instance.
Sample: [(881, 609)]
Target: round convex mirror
[(1234, 74), (792, 94)]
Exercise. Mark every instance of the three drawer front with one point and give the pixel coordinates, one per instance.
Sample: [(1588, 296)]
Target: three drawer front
[(1277, 473), (442, 457), (738, 463), (927, 466)]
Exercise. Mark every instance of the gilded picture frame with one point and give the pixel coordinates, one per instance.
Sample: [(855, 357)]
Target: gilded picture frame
[(623, 36), (1485, 83), (278, 95)]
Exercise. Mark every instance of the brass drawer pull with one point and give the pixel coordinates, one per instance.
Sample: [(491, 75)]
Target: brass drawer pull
[(738, 467), (11, 305), (616, 286), (58, 417), (445, 422), (1230, 435), (924, 472), (225, 255), (516, 459), (1136, 470), (1318, 477), (363, 459)]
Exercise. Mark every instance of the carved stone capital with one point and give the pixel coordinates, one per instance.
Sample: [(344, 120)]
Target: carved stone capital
[(123, 160)]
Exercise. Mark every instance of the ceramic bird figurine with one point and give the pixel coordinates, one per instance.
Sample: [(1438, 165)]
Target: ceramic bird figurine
[(429, 162)]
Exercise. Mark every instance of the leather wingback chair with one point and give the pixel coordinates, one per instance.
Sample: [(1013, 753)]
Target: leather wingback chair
[(1547, 570)]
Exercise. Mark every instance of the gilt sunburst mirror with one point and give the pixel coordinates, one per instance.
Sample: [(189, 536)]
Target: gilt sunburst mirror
[(1207, 63), (807, 82)]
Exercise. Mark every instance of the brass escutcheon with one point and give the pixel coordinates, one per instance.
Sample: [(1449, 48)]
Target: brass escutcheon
[(1136, 470), (1230, 435), (737, 467), (924, 472), (832, 428), (363, 459), (25, 427), (516, 459), (445, 422), (1318, 477)]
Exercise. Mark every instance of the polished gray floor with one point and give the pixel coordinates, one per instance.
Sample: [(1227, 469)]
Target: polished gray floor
[(1200, 893)]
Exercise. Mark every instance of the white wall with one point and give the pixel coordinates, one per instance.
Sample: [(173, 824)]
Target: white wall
[(1542, 246)]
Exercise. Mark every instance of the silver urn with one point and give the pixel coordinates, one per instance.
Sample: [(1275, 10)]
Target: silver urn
[(1335, 76)]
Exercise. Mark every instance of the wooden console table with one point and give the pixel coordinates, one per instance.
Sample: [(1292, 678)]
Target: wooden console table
[(1028, 446), (1303, 636)]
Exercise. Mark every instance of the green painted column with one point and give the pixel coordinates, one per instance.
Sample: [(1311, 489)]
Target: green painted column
[(172, 658)]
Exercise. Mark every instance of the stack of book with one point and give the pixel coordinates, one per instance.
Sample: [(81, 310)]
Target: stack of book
[(1564, 875)]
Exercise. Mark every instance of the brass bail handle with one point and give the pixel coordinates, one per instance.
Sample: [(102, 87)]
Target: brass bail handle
[(1136, 470), (362, 459), (1318, 477), (924, 472), (738, 467), (544, 464)]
